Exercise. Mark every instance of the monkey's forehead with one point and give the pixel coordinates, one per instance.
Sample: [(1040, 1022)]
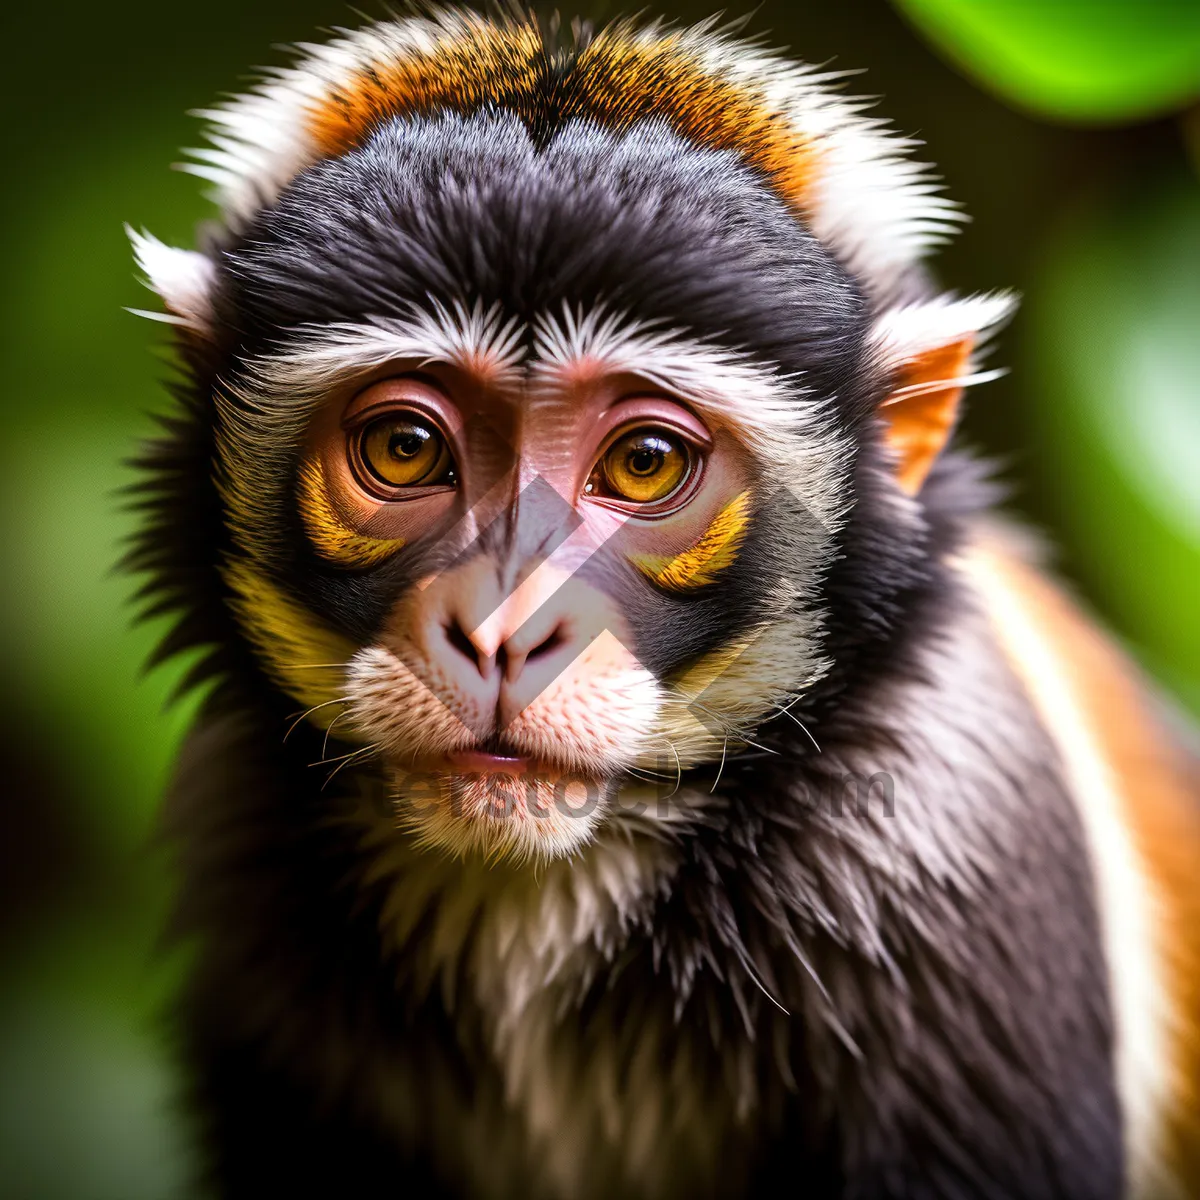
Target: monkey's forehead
[(838, 169), (450, 212)]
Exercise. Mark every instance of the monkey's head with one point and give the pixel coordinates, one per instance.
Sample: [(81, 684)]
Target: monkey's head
[(561, 411)]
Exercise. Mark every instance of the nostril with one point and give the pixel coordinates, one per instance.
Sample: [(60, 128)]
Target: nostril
[(457, 637), (548, 645)]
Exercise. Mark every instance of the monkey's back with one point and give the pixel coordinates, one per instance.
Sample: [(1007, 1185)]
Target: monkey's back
[(1136, 783)]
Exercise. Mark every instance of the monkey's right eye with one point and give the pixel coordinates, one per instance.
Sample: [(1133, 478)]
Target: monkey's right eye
[(401, 450)]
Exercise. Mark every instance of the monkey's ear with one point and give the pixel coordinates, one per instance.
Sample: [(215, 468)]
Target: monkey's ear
[(928, 352), (183, 280)]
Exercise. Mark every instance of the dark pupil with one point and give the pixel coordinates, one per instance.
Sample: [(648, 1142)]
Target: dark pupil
[(407, 443), (645, 460)]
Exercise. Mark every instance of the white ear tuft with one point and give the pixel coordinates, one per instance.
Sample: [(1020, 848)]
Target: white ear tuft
[(182, 278), (902, 335)]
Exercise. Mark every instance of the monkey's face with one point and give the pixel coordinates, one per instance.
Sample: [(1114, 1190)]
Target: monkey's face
[(543, 517), (532, 456)]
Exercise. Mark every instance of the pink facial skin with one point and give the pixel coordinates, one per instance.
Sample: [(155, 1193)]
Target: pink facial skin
[(501, 442)]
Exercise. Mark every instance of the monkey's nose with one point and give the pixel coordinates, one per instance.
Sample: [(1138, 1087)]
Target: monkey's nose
[(504, 650), (510, 656), (521, 651), (458, 641)]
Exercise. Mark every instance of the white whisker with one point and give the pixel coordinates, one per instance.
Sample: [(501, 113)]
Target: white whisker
[(721, 768), (310, 711)]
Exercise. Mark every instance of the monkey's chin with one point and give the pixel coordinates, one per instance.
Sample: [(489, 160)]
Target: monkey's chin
[(533, 815)]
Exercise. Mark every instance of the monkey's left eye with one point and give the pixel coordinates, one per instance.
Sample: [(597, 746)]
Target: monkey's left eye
[(402, 450), (645, 466)]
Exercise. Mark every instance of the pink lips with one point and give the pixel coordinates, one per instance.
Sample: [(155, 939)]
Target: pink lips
[(480, 762)]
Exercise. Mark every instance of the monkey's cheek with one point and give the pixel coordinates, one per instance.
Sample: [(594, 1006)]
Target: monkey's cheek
[(408, 716), (533, 816)]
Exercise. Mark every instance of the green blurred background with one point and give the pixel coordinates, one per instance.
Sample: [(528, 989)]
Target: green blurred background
[(1069, 131)]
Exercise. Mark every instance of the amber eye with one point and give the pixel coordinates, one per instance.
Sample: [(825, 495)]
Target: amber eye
[(642, 466), (403, 450)]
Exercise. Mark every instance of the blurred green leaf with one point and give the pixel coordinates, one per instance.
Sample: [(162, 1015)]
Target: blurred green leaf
[(1081, 60), (87, 381), (86, 1091), (1115, 356)]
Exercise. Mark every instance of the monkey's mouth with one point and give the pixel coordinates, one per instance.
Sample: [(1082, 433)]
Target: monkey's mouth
[(491, 756), (538, 786), (495, 755), (489, 762), (493, 799)]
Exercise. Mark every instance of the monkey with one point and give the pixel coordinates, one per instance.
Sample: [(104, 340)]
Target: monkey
[(635, 757)]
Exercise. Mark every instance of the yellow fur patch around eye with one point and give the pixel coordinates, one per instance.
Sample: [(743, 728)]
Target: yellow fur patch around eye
[(702, 563), (331, 537), (620, 78), (301, 654)]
